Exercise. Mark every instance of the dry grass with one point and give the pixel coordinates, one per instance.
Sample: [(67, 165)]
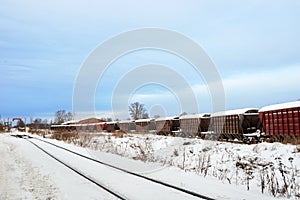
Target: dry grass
[(65, 136), (119, 134)]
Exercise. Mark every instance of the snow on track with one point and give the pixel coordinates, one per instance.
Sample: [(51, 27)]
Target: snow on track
[(28, 173), (130, 186), (19, 179), (117, 168), (207, 185)]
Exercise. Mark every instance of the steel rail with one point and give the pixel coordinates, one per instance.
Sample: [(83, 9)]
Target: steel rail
[(132, 173), (79, 172)]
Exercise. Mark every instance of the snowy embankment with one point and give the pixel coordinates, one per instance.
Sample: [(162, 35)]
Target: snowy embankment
[(269, 168), (215, 169)]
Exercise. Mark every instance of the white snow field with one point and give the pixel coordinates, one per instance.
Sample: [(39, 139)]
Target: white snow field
[(28, 173), (215, 169)]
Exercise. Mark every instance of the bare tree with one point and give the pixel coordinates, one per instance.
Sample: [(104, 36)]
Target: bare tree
[(45, 123), (20, 124), (138, 111), (60, 116), (37, 123), (182, 114), (109, 119), (156, 116), (68, 116)]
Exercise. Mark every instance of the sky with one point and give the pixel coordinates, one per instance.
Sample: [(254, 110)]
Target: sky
[(254, 46)]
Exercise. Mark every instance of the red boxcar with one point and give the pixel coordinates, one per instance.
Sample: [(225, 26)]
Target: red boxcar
[(281, 120)]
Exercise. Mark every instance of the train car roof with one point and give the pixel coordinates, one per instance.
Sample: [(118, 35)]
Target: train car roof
[(70, 122), (167, 118), (112, 122), (235, 112), (126, 121), (202, 115), (281, 106), (145, 120)]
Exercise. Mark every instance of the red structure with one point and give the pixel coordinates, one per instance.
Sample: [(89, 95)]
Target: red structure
[(281, 120)]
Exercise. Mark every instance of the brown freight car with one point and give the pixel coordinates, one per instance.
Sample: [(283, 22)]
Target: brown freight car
[(101, 126), (281, 122), (145, 125), (66, 126), (167, 125), (235, 124), (193, 125), (127, 126), (112, 126)]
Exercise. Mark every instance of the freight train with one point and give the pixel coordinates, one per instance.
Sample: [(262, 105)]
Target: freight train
[(279, 122)]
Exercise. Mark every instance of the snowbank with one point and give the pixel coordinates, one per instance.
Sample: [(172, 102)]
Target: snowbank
[(271, 168)]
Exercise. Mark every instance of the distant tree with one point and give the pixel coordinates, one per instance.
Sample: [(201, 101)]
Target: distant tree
[(138, 111), (20, 124), (109, 119), (156, 116), (184, 113), (145, 116), (37, 123), (68, 116), (45, 123), (62, 116)]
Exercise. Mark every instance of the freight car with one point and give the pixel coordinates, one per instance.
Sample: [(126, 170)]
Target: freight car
[(281, 122), (167, 125), (145, 125), (127, 126), (193, 125), (101, 126), (112, 126), (235, 124)]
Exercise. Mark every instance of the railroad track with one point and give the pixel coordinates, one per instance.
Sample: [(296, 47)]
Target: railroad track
[(101, 185), (89, 178)]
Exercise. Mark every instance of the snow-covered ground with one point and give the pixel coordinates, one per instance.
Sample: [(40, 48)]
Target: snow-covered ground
[(19, 177), (28, 173), (218, 170), (271, 169)]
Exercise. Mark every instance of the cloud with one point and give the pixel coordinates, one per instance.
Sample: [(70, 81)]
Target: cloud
[(263, 87), (245, 90), (75, 12), (42, 45)]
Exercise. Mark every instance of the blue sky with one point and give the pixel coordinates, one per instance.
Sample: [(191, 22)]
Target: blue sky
[(255, 46)]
